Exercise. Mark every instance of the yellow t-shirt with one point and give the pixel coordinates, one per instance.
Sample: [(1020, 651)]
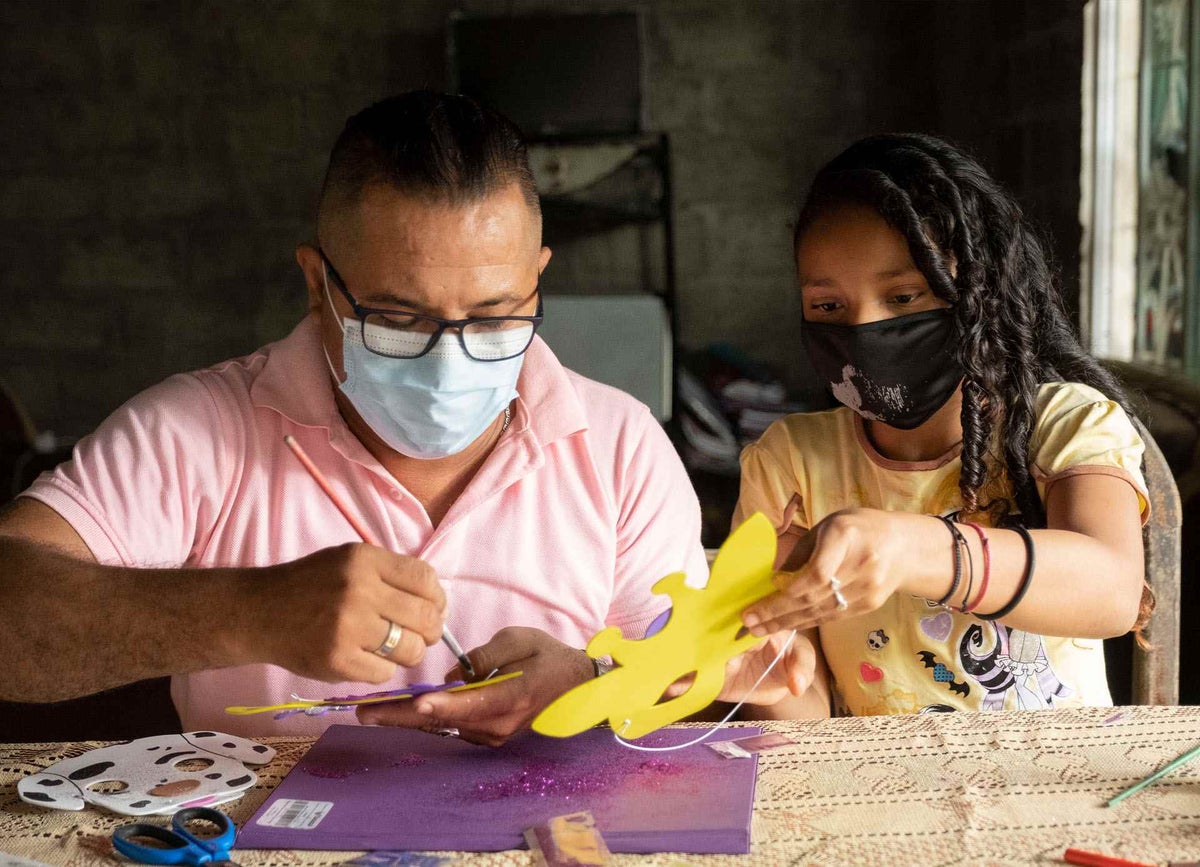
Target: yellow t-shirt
[(911, 655)]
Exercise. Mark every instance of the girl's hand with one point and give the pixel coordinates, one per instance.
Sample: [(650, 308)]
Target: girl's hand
[(849, 564)]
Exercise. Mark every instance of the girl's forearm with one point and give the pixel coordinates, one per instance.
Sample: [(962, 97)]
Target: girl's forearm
[(1079, 587)]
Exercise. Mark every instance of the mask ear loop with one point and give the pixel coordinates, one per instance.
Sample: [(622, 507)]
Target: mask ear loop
[(329, 298), (718, 726), (328, 294)]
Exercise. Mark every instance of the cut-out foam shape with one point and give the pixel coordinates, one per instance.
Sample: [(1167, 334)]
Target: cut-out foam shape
[(699, 638), (154, 772), (350, 702)]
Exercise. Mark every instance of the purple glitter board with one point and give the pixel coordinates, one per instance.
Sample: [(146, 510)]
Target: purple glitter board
[(394, 788)]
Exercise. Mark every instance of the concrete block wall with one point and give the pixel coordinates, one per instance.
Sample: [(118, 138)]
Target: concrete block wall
[(159, 161), (1009, 88)]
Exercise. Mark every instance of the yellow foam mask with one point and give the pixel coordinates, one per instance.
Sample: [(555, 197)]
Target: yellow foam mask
[(700, 637)]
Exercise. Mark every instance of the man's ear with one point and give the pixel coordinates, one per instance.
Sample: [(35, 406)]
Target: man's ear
[(313, 266), (543, 259)]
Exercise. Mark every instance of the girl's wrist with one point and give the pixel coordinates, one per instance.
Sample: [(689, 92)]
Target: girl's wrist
[(928, 562)]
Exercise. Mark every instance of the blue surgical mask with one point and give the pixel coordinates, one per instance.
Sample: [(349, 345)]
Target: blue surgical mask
[(428, 407)]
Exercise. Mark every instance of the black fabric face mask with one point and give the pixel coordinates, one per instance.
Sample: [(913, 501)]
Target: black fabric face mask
[(897, 371)]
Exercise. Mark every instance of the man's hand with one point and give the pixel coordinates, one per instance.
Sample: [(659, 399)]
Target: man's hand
[(323, 616), (494, 714), (790, 676)]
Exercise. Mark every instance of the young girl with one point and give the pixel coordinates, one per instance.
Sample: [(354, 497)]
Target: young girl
[(964, 530)]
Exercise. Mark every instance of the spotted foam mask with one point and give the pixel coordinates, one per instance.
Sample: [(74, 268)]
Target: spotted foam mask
[(151, 776)]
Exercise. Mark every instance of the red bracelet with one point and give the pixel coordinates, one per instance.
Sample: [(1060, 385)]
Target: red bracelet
[(987, 568)]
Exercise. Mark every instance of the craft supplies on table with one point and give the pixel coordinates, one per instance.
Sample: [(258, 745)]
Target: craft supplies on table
[(1084, 858), (151, 776), (744, 748), (184, 843), (399, 789), (568, 841), (960, 789), (7, 860)]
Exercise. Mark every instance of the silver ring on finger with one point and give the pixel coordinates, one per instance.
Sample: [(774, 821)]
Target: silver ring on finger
[(395, 632), (835, 584), (839, 600)]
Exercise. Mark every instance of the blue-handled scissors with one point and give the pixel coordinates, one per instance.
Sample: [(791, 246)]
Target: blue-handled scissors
[(153, 844)]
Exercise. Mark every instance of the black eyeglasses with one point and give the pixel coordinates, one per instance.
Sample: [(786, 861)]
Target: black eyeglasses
[(399, 334)]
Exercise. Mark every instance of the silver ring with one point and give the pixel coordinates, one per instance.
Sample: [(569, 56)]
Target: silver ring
[(840, 600), (395, 631), (834, 584)]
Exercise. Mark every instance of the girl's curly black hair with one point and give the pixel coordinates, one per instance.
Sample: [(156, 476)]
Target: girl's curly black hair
[(970, 240)]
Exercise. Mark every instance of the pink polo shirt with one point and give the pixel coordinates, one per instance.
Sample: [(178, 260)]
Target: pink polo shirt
[(582, 506)]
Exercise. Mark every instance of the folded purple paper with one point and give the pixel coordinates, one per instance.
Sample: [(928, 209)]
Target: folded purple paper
[(334, 703), (363, 787)]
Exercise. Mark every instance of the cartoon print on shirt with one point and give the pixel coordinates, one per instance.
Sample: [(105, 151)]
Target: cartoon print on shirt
[(942, 674), (877, 639), (1016, 661)]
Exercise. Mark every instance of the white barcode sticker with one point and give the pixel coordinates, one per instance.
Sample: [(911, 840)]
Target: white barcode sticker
[(291, 813), (7, 860)]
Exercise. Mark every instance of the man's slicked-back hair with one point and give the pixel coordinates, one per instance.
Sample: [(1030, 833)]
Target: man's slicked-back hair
[(439, 147)]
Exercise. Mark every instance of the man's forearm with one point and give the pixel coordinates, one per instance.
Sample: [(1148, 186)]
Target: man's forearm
[(72, 627)]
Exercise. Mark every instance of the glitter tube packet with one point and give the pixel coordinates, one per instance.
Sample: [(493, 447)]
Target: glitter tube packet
[(568, 841), (744, 748)]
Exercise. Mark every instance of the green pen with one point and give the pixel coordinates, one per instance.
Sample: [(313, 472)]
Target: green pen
[(1157, 775)]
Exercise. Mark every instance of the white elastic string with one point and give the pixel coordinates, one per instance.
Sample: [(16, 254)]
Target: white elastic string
[(719, 725), (337, 379)]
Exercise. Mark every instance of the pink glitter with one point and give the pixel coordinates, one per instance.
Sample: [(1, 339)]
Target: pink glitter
[(409, 760), (658, 766), (544, 779), (328, 772)]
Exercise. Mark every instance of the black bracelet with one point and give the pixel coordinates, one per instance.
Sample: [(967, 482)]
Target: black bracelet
[(1026, 579), (954, 534)]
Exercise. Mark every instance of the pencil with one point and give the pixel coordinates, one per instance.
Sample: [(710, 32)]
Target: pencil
[(319, 478), (363, 533), (1095, 859), (1157, 775)]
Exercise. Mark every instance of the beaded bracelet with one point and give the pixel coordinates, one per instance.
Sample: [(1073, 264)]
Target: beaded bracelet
[(955, 535), (1026, 579)]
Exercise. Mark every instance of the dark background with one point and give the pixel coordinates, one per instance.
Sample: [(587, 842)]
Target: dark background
[(159, 162)]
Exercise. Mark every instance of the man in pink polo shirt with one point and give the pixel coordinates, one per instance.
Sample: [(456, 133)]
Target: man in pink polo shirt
[(519, 503)]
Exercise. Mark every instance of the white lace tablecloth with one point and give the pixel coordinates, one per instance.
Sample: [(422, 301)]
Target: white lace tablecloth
[(933, 789)]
